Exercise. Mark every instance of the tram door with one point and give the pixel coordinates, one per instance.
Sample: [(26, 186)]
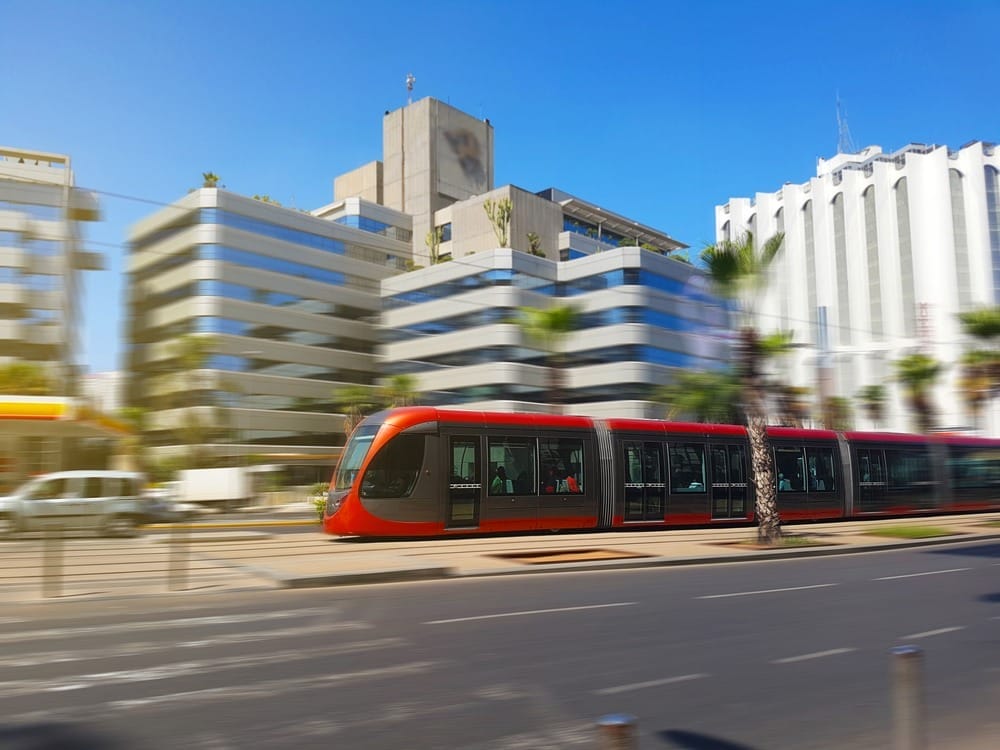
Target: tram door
[(645, 490), (729, 481), (465, 485), (872, 480)]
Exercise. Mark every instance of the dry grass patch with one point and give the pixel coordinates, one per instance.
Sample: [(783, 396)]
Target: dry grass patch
[(911, 532)]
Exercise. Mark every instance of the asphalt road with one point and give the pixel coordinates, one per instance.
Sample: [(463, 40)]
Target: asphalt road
[(772, 655)]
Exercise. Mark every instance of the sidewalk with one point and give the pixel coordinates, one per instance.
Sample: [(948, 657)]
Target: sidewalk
[(243, 555)]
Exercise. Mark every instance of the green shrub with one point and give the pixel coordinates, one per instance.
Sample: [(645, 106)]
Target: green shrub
[(317, 494)]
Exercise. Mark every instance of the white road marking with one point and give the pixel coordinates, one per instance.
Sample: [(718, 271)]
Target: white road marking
[(929, 633), (140, 648), (184, 622), (767, 591), (814, 655), (226, 693), (648, 684), (69, 683), (927, 573), (272, 687), (524, 613)]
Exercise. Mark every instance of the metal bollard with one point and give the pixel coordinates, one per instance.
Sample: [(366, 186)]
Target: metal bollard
[(52, 560), (177, 568), (618, 732), (907, 698)]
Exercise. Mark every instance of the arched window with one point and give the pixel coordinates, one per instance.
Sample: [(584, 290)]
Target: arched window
[(960, 239), (908, 292), (809, 242), (874, 271), (840, 256), (993, 221), (726, 233)]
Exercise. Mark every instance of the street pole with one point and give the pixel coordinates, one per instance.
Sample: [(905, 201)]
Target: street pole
[(907, 698)]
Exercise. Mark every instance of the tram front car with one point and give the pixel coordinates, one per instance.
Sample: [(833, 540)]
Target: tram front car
[(380, 486)]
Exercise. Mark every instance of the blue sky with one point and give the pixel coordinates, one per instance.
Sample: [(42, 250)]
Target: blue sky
[(657, 110)]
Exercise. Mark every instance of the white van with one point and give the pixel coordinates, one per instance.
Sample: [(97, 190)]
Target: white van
[(105, 501)]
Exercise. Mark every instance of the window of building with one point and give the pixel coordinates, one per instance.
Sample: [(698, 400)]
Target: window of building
[(840, 254), (960, 239), (874, 272), (909, 311), (993, 223)]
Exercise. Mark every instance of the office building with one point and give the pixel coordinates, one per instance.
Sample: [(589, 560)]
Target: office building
[(284, 304), (642, 317), (42, 261), (882, 252)]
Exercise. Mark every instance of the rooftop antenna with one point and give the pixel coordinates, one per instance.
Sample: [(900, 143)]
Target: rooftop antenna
[(410, 80), (844, 143)]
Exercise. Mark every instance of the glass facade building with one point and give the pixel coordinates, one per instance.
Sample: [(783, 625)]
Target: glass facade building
[(284, 305), (641, 317)]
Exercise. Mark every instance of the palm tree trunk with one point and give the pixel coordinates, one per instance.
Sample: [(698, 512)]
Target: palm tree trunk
[(761, 463), (765, 506)]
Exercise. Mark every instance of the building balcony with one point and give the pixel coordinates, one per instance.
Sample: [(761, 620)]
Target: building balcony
[(12, 257), (11, 330), (12, 295)]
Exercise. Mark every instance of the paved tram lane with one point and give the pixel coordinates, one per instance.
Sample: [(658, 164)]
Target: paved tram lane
[(783, 654)]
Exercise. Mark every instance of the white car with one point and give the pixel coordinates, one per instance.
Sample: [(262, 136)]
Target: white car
[(105, 501)]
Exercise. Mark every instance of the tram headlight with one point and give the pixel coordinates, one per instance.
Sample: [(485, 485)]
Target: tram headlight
[(333, 501)]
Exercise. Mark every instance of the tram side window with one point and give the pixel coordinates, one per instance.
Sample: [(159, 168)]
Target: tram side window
[(788, 463), (687, 467), (561, 461), (516, 456), (822, 477), (977, 469), (394, 470), (908, 468)]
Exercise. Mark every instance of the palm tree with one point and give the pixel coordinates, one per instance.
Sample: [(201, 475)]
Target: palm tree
[(873, 401), (976, 381), (356, 402), (739, 269), (702, 397), (917, 373), (548, 327), (25, 379), (211, 179), (837, 413), (980, 378), (401, 390)]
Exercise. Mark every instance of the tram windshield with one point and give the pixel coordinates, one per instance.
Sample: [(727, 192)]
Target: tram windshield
[(354, 454)]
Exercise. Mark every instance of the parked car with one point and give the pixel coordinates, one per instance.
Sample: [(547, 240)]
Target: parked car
[(104, 501)]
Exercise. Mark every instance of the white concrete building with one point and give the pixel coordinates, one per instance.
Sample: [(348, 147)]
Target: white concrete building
[(882, 251)]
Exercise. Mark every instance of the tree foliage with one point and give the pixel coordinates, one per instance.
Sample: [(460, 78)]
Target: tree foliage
[(25, 379), (547, 327), (702, 397), (917, 373)]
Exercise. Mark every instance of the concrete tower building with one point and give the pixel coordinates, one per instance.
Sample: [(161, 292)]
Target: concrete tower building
[(882, 252)]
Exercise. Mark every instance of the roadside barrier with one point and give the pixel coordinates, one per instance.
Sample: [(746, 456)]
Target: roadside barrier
[(906, 676), (617, 732), (177, 566)]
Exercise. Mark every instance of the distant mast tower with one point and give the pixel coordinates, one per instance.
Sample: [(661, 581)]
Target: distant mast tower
[(410, 80), (844, 143)]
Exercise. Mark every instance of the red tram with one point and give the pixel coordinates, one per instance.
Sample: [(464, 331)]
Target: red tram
[(423, 471)]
